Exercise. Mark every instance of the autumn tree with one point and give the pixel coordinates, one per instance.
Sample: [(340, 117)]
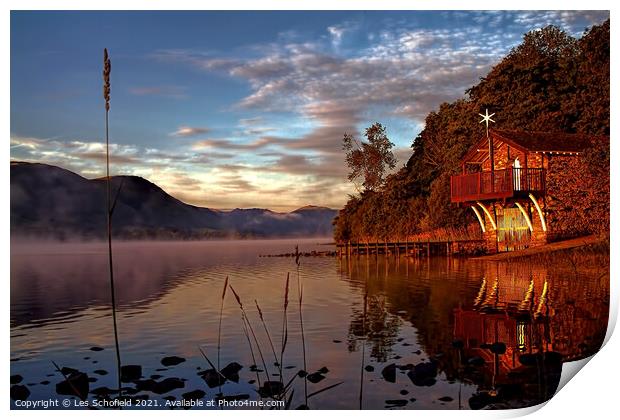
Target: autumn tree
[(370, 160)]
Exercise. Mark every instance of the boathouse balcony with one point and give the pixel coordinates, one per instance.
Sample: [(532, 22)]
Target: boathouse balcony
[(498, 184)]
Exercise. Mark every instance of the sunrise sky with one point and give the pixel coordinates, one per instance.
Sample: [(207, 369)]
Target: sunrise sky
[(245, 109)]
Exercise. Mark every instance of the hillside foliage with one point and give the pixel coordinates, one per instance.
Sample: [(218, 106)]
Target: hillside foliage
[(550, 82)]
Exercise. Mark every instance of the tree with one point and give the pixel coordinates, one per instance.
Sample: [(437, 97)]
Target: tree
[(369, 161)]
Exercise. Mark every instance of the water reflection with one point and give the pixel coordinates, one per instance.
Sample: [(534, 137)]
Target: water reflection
[(505, 327), (422, 333)]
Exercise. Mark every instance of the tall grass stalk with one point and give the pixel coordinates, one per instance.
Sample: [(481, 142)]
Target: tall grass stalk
[(284, 326), (219, 329), (273, 349), (107, 67), (247, 337), (246, 320), (300, 294)]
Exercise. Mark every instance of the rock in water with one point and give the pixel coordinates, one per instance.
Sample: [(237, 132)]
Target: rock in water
[(395, 403), (315, 377), (130, 373), (389, 373), (231, 371), (168, 385), (19, 393), (423, 374), (145, 385), (212, 378), (76, 384), (15, 379), (194, 395), (271, 389), (66, 371), (172, 360)]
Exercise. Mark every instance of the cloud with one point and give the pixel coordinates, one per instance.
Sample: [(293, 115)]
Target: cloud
[(405, 73), (185, 131), (230, 145), (573, 21), (88, 157), (337, 32), (236, 184), (176, 92), (248, 122)]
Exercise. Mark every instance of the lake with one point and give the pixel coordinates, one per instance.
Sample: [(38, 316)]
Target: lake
[(392, 332)]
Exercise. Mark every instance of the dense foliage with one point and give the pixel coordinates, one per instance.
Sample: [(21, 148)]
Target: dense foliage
[(550, 82)]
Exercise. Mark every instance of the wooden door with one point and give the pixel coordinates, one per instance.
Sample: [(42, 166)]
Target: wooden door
[(512, 230)]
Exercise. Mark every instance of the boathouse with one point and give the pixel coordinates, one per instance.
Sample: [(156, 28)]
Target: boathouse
[(508, 179)]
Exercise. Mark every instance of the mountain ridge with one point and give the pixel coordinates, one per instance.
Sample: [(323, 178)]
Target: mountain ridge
[(48, 200)]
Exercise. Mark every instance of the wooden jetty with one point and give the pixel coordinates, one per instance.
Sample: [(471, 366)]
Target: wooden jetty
[(406, 248)]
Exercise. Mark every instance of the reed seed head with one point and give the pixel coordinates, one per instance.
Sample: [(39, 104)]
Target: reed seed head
[(107, 68)]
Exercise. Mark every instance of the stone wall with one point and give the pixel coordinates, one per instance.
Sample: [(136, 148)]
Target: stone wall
[(562, 220), (504, 157)]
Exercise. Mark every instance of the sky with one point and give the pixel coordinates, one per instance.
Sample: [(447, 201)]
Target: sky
[(246, 109)]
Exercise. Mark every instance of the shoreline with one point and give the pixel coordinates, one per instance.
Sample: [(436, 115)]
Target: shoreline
[(582, 241)]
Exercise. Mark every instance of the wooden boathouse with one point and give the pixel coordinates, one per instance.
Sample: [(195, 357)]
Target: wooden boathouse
[(507, 180)]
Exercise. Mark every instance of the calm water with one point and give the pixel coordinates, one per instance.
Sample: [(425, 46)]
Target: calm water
[(170, 293)]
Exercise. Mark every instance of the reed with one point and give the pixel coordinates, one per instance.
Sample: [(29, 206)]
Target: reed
[(107, 68), (248, 324), (219, 328), (70, 382), (287, 392), (300, 294), (247, 337), (273, 349), (284, 336)]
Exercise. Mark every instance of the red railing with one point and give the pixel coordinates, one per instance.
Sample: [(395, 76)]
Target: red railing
[(502, 183)]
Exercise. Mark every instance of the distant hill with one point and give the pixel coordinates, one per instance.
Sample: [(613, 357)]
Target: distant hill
[(50, 201)]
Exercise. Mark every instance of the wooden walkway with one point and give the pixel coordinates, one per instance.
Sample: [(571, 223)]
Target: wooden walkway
[(411, 248)]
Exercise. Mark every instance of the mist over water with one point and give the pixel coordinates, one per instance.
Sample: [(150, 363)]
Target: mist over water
[(169, 296)]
